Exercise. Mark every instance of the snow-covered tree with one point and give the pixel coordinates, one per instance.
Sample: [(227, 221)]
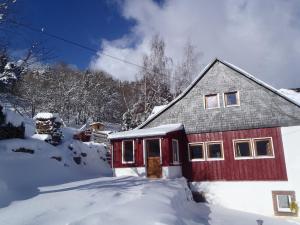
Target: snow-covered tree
[(154, 84), (186, 71)]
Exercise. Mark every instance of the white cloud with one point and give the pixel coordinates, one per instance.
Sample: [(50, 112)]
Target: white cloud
[(262, 37)]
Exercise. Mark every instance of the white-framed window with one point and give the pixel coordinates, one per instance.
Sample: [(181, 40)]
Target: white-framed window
[(242, 149), (128, 151), (263, 147), (253, 148), (196, 151), (284, 203), (231, 98), (214, 150), (211, 101), (175, 150)]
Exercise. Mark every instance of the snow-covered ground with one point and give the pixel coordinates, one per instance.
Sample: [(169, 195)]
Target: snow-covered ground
[(122, 201)]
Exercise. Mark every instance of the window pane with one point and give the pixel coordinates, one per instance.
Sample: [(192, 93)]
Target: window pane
[(283, 201), (196, 151), (214, 151), (242, 149), (175, 151), (153, 148), (231, 98), (263, 148), (128, 151), (211, 101)]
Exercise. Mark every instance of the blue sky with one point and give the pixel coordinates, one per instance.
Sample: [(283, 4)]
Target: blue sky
[(85, 22), (261, 37)]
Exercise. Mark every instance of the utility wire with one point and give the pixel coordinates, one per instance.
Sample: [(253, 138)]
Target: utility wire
[(42, 31)]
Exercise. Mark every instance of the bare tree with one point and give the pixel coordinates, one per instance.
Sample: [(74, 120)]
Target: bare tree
[(186, 71)]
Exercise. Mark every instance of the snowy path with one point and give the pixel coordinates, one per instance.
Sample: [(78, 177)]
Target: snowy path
[(121, 201)]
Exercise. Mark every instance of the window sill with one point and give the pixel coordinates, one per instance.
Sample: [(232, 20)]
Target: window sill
[(228, 106), (128, 162), (215, 159), (197, 160)]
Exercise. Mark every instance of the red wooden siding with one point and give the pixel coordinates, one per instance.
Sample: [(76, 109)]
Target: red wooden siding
[(231, 169), (166, 150)]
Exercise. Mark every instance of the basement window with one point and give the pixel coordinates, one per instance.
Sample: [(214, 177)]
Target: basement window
[(242, 148), (231, 99), (196, 151), (263, 147), (283, 203), (211, 101), (128, 151), (175, 149), (215, 150)]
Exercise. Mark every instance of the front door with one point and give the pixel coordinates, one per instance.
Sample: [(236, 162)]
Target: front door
[(154, 169)]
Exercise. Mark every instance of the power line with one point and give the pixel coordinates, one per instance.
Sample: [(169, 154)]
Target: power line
[(42, 31)]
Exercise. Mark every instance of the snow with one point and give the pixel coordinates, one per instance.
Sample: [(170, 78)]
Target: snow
[(148, 132), (42, 137), (44, 115), (12, 117), (122, 200), (291, 94)]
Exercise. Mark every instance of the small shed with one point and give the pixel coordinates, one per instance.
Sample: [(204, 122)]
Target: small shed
[(150, 152), (97, 126)]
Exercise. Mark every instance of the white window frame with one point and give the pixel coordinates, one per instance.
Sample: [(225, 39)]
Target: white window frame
[(253, 148), (133, 146), (266, 156), (203, 151), (234, 141), (204, 101), (237, 98), (222, 149), (283, 209), (177, 144)]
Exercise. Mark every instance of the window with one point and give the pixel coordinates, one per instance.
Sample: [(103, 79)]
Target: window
[(231, 98), (153, 147), (196, 151), (282, 202), (212, 101), (215, 150), (128, 151), (263, 147), (175, 149), (242, 148)]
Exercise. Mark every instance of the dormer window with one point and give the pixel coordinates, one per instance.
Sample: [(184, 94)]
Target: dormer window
[(231, 98), (211, 101)]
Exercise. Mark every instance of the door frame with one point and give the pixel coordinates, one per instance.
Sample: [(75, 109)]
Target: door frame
[(145, 152)]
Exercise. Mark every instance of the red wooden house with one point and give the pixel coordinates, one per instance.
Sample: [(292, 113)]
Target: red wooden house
[(233, 137)]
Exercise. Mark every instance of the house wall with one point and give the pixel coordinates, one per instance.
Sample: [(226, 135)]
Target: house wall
[(248, 196), (231, 169), (259, 107), (291, 139), (256, 197)]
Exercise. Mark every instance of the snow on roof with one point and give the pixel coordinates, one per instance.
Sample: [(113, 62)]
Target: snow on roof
[(47, 116), (157, 108), (202, 74), (291, 94), (44, 115), (147, 132)]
